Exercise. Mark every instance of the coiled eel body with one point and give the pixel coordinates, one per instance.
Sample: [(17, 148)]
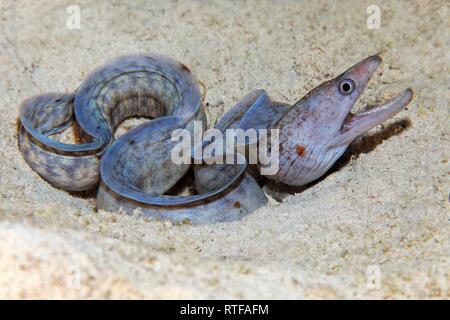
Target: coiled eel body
[(136, 170)]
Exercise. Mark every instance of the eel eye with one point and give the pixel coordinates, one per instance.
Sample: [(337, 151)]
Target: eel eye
[(346, 86)]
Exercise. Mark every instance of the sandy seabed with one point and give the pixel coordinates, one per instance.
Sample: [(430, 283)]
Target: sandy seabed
[(377, 226)]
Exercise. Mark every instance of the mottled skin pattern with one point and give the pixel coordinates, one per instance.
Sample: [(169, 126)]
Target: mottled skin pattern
[(62, 165), (136, 169), (151, 86), (226, 192)]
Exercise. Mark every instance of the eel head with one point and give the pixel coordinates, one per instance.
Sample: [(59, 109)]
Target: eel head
[(318, 128)]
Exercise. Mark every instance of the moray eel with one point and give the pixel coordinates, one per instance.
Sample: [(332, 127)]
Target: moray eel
[(136, 170), (317, 130)]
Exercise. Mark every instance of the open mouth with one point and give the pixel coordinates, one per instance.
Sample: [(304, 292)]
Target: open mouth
[(356, 124), (375, 116)]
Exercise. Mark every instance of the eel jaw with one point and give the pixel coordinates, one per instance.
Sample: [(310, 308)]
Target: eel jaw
[(356, 124)]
